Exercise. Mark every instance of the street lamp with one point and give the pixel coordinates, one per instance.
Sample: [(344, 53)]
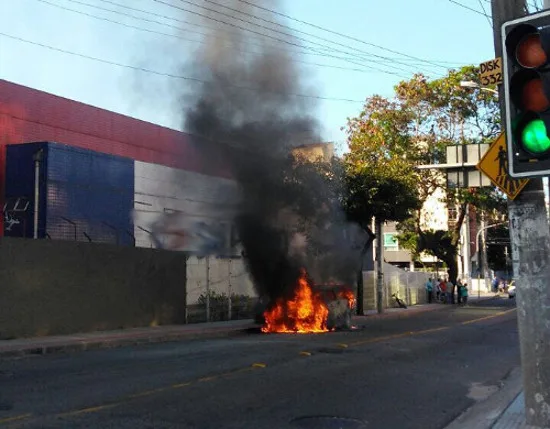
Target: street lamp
[(484, 259), (474, 85)]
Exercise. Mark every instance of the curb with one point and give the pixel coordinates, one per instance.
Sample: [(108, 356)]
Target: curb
[(484, 414), (406, 313), (399, 314), (110, 343), (106, 343)]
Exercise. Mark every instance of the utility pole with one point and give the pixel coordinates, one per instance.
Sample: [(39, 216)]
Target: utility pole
[(379, 269), (530, 240)]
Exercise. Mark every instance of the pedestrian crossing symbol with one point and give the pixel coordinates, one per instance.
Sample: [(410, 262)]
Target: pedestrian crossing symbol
[(494, 165)]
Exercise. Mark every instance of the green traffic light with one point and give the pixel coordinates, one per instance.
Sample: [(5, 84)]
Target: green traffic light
[(534, 137)]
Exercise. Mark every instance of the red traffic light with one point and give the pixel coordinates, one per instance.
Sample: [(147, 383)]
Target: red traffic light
[(528, 46), (529, 52)]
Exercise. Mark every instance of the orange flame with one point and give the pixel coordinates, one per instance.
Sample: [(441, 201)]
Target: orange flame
[(347, 293), (304, 313)]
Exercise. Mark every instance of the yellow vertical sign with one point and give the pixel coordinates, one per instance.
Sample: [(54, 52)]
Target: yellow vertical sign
[(494, 165)]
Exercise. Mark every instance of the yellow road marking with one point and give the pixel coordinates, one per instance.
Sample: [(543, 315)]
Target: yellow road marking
[(378, 339), (147, 393), (237, 371), (209, 378), (180, 385), (427, 331), (492, 316), (344, 346), (15, 418), (305, 354), (259, 365), (88, 410)]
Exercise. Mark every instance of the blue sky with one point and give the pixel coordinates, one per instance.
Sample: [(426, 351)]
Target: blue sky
[(438, 31)]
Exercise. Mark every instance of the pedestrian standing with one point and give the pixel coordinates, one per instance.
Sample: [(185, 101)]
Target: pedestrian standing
[(464, 293), (458, 291), (429, 290), (450, 291), (443, 287)]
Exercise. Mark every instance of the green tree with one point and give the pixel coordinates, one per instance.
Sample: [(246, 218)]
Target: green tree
[(413, 128)]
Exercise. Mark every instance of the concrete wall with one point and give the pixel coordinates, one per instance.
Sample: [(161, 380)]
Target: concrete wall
[(55, 287)]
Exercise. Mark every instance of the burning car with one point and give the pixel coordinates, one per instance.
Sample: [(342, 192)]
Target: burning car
[(311, 309), (340, 301)]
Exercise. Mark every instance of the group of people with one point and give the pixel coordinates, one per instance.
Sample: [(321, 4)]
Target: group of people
[(445, 291)]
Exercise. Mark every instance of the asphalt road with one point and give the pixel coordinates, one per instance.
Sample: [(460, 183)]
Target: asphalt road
[(419, 371)]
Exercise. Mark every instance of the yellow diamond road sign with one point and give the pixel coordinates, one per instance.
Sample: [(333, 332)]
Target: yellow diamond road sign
[(495, 166)]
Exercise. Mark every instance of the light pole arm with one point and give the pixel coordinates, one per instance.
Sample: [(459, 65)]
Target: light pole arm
[(494, 91), (484, 229)]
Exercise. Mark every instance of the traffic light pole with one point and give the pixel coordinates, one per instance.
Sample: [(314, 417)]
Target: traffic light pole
[(530, 241)]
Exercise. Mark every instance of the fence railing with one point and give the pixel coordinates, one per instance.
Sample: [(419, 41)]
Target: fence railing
[(219, 289), (408, 285)]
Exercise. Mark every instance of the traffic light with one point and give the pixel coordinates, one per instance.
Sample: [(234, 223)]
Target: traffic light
[(526, 64)]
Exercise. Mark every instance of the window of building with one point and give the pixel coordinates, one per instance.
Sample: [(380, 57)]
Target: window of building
[(391, 244)]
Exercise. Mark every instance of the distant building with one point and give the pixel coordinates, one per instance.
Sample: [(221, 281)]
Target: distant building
[(434, 215), (314, 152)]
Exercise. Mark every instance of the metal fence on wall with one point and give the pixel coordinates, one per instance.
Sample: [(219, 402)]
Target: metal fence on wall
[(219, 289), (410, 286)]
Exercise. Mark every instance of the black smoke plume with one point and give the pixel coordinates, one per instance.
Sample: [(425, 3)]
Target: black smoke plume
[(249, 109)]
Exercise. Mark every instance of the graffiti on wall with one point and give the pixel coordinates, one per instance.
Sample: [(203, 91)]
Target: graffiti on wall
[(197, 235), (14, 213)]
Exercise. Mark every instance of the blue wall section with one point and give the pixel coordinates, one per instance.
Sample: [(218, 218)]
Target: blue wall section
[(87, 195)]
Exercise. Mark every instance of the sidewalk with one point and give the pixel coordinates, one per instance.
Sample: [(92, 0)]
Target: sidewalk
[(157, 334), (503, 410), (420, 308), (514, 416), (118, 338)]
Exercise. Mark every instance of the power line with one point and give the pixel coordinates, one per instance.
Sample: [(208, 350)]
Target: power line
[(340, 34), (483, 9), (469, 8), (171, 18), (362, 70), (292, 29), (203, 34), (155, 72), (272, 37)]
